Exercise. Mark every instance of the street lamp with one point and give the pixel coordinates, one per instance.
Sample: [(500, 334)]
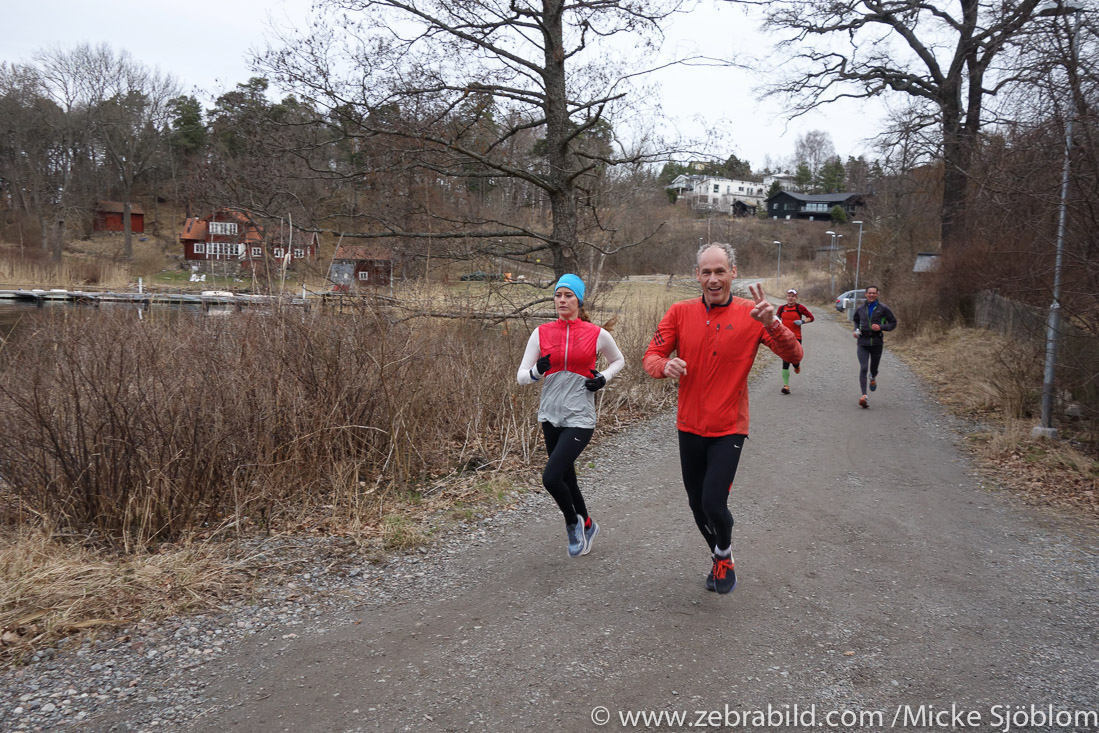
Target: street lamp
[(1046, 429), (858, 258), (778, 275), (832, 260)]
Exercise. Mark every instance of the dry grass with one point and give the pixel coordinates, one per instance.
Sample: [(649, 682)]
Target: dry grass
[(995, 381), (52, 587), (72, 273)]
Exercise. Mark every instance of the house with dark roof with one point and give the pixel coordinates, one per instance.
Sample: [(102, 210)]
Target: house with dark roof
[(814, 207)]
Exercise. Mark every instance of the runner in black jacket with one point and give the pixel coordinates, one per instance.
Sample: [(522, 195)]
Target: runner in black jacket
[(872, 320)]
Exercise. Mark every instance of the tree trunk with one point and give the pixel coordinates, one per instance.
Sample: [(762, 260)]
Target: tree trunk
[(127, 229), (58, 239), (561, 191)]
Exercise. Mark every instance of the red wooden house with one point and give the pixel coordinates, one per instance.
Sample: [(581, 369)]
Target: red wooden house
[(108, 217), (230, 235), (360, 266)]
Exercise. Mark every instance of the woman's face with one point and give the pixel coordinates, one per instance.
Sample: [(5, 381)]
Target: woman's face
[(568, 307)]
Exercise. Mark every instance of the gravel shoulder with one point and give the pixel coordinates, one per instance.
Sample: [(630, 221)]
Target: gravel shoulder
[(877, 574)]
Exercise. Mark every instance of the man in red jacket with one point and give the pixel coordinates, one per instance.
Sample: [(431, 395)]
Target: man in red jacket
[(716, 338)]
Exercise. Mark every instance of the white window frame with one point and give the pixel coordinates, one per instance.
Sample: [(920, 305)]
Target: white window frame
[(364, 275), (257, 252), (225, 249), (223, 227), (200, 248), (299, 253), (278, 252)]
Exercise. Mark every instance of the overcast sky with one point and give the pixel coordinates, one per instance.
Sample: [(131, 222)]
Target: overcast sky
[(205, 45)]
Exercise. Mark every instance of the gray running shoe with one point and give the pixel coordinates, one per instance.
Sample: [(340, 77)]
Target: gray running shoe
[(578, 542), (589, 535), (710, 578)]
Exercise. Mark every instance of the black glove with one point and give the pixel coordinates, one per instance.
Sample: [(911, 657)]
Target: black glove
[(596, 383), (543, 364)]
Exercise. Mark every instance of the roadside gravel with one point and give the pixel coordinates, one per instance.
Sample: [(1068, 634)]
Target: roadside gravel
[(158, 669)]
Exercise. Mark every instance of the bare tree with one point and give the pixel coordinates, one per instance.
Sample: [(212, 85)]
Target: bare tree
[(129, 108), (947, 62), (814, 148), (507, 99)]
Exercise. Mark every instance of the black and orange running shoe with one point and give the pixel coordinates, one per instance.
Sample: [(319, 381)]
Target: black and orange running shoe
[(724, 574)]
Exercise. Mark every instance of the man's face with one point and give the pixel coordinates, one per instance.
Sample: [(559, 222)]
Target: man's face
[(715, 275), (791, 298), (871, 295)]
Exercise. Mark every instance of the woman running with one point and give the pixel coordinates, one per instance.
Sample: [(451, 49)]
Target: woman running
[(563, 355)]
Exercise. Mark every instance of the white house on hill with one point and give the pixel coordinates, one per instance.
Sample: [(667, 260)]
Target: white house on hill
[(725, 195)]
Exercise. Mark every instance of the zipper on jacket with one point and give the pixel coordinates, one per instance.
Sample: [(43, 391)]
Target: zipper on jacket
[(567, 336)]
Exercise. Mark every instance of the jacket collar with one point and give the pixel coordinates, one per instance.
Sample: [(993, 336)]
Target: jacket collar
[(707, 306)]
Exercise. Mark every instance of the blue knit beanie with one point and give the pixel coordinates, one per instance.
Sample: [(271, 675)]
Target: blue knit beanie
[(573, 283)]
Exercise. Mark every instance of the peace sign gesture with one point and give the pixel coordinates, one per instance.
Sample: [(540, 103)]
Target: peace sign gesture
[(763, 311)]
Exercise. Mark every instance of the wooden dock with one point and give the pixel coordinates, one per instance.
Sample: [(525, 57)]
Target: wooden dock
[(205, 299)]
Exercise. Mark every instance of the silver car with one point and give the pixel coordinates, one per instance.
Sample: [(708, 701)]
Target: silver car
[(845, 299)]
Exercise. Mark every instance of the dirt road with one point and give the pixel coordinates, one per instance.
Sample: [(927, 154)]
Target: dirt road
[(879, 584)]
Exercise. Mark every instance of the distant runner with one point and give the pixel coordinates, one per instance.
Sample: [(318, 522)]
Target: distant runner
[(716, 338), (793, 315), (872, 320), (563, 353)]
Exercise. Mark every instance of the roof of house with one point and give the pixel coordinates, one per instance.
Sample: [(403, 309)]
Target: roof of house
[(817, 198), (194, 228), (115, 207), (362, 252)]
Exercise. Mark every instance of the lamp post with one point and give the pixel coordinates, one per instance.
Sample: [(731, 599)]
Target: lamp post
[(778, 274), (1046, 429), (858, 259), (832, 260)]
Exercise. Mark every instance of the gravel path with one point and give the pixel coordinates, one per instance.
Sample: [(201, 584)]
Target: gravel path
[(878, 576)]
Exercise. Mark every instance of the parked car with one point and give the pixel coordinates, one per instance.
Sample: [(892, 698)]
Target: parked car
[(480, 276), (845, 299)]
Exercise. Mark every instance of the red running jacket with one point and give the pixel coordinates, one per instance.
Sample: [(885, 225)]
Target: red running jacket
[(719, 345)]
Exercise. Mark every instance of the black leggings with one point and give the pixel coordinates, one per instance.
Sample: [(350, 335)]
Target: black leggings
[(871, 354), (786, 364), (709, 467), (559, 477)]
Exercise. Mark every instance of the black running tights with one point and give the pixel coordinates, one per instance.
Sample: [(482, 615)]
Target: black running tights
[(871, 354), (709, 467), (559, 477)]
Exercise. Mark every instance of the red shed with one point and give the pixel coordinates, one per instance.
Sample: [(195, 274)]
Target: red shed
[(108, 217), (353, 267)]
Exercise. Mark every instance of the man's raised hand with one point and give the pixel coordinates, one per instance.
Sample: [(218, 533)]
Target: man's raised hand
[(763, 311)]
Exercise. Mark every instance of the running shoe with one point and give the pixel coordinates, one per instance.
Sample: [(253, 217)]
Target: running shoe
[(589, 534), (724, 574), (797, 368), (873, 383), (785, 390), (578, 544), (863, 402)]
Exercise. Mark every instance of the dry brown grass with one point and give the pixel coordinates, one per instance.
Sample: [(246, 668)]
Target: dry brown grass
[(985, 377), (72, 273), (52, 587)]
